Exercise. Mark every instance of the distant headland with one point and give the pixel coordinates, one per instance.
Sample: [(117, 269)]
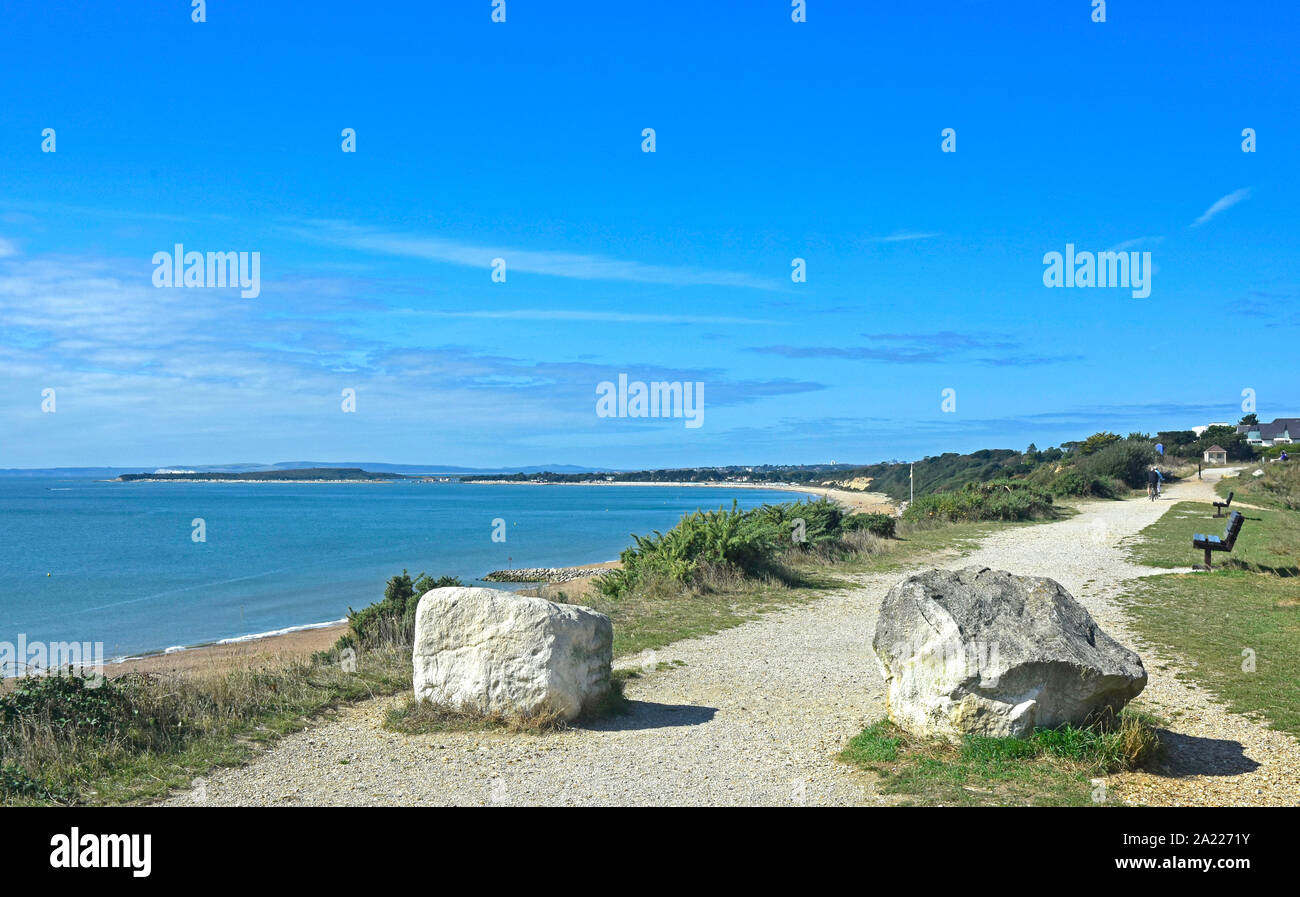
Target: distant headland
[(301, 475)]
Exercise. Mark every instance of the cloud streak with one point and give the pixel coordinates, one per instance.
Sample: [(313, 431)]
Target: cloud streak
[(904, 237), (921, 348), (578, 266), (603, 317), (1221, 204)]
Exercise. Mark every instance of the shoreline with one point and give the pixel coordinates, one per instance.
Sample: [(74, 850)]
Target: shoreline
[(259, 649), (245, 482), (287, 644), (296, 642), (865, 502)]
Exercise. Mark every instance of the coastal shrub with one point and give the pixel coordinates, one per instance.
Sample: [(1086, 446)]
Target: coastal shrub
[(1077, 483), (994, 500), (880, 525), (745, 541), (1125, 460), (391, 621), (64, 739), (822, 521), (70, 702), (710, 548)]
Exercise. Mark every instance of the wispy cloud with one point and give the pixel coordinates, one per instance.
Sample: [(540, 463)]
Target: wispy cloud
[(905, 236), (176, 369), (579, 266), (1221, 204), (926, 348), (1135, 242), (7, 248), (611, 317)]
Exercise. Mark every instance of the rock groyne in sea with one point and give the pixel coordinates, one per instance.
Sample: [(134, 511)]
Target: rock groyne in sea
[(541, 574)]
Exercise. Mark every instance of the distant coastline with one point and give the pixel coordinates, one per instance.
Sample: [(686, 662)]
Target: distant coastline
[(302, 475), (876, 502)]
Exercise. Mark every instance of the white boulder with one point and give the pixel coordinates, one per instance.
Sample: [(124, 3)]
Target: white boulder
[(498, 652), (985, 652)]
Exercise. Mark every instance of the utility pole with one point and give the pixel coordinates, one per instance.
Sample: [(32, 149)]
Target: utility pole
[(910, 486)]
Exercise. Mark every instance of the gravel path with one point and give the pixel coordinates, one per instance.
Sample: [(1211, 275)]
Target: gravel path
[(1214, 758), (756, 714)]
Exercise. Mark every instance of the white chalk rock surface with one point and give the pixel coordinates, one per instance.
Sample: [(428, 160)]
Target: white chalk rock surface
[(498, 652), (985, 652)]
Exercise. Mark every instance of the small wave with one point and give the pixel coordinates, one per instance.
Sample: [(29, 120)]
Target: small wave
[(274, 632)]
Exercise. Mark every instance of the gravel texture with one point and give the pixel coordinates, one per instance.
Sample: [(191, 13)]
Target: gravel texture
[(756, 714)]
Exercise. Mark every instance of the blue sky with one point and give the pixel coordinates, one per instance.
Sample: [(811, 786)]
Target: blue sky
[(522, 140)]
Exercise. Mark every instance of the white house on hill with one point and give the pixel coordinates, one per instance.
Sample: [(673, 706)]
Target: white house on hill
[(1282, 431)]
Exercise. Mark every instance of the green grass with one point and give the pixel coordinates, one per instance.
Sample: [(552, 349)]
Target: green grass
[(1278, 487), (1269, 541), (1210, 619), (1250, 602), (1053, 767), (158, 732), (659, 613)]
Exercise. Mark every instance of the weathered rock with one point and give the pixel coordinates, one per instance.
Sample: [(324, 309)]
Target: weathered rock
[(498, 652), (985, 652)]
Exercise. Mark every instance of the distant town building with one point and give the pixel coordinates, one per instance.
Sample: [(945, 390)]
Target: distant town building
[(1282, 431), (1216, 455), (173, 470)]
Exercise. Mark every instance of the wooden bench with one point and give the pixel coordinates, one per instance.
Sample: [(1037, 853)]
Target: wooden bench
[(1217, 543), (1223, 505)]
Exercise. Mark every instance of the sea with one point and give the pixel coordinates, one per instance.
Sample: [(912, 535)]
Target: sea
[(122, 564)]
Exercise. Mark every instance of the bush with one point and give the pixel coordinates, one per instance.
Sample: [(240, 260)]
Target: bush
[(391, 622), (995, 500), (709, 548), (1126, 461), (823, 521), (881, 525), (1074, 483), (69, 703), (745, 541)]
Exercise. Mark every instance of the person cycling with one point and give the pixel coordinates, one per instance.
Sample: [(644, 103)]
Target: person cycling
[(1153, 483)]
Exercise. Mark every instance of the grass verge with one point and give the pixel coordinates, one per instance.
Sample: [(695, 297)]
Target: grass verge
[(1277, 486), (1053, 767), (138, 736), (1240, 632), (1238, 626), (1269, 541)]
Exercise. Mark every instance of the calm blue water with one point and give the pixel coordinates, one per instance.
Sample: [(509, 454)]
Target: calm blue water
[(126, 572)]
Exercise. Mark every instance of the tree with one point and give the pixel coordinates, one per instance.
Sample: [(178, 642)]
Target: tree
[(1098, 441), (1249, 420), (1228, 439)]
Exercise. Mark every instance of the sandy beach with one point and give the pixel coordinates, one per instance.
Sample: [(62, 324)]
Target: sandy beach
[(255, 652), (281, 648)]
